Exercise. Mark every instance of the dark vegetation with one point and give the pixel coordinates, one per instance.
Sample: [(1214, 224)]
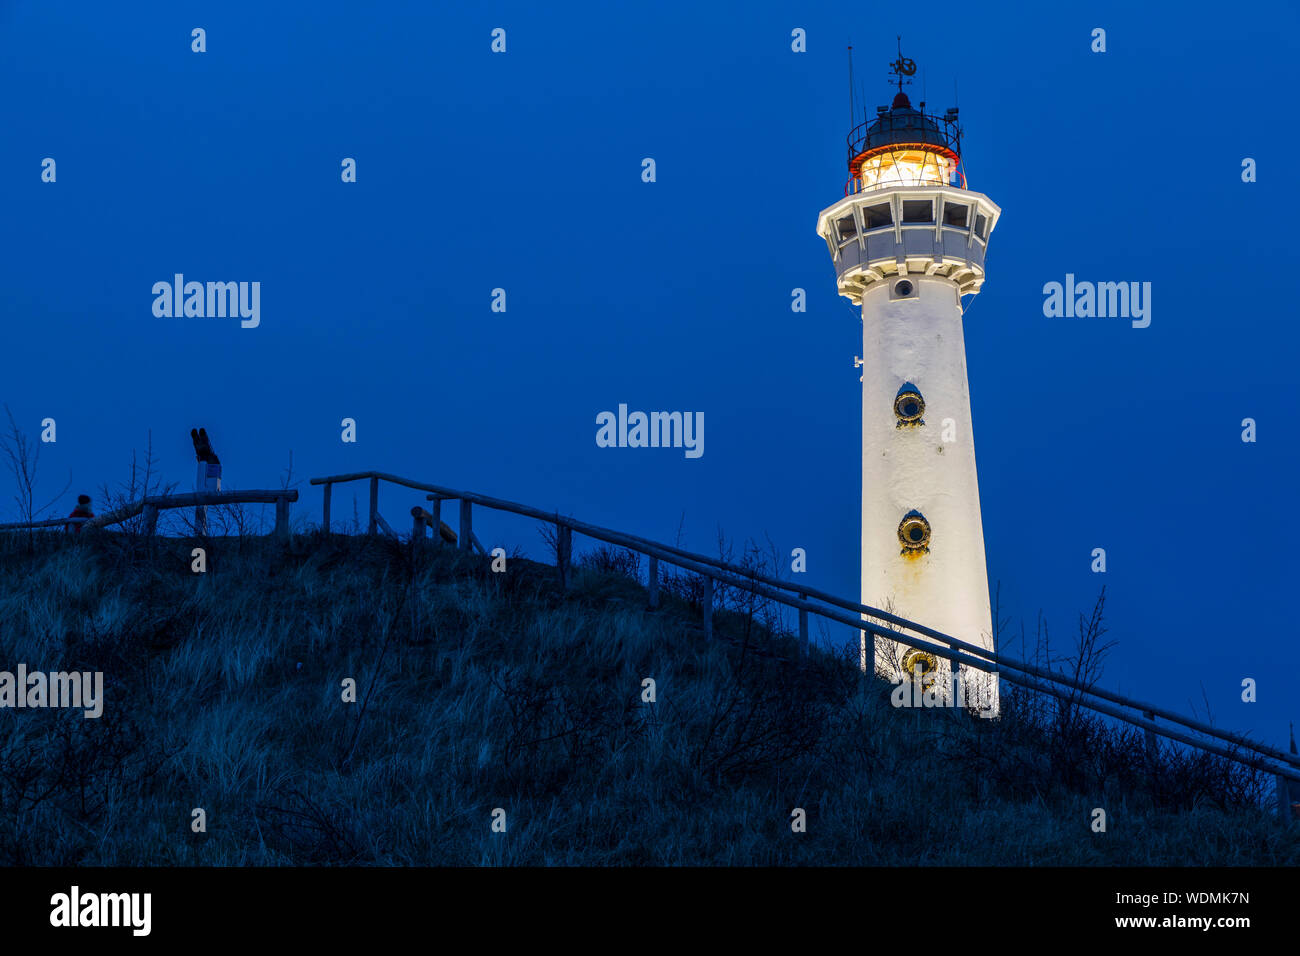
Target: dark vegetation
[(478, 690)]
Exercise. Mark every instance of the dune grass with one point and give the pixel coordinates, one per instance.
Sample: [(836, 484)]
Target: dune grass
[(478, 690)]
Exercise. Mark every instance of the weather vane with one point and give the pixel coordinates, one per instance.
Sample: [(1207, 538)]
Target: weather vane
[(902, 66)]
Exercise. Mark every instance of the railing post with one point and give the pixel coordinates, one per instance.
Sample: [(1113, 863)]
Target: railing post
[(417, 524), (654, 581), (466, 526), (563, 548), (1150, 739), (437, 522), (150, 520), (707, 601), (1283, 800), (282, 518), (329, 487), (374, 506), (803, 627)]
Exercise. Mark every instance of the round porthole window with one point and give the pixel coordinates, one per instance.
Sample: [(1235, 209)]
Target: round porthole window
[(914, 533), (903, 287), (909, 406), (920, 664)]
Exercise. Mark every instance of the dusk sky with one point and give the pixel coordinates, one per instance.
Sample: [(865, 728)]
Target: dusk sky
[(522, 171)]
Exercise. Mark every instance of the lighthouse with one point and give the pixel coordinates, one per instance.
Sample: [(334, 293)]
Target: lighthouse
[(908, 242)]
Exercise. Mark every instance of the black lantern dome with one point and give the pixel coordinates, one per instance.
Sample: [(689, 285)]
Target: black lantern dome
[(900, 124)]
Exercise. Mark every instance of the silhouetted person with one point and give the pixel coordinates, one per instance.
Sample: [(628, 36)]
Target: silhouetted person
[(81, 511)]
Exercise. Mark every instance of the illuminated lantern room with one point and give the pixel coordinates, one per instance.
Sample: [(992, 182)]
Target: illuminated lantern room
[(904, 146)]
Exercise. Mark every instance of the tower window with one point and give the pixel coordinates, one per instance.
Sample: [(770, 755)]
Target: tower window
[(846, 228), (873, 217), (914, 533), (956, 214), (918, 210), (909, 406), (921, 665), (982, 226)]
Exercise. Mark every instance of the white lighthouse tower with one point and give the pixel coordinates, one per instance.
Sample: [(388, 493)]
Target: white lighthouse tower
[(908, 241)]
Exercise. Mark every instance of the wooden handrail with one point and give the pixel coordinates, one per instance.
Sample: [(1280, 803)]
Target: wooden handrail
[(48, 523), (959, 651), (164, 502), (1011, 674), (221, 498)]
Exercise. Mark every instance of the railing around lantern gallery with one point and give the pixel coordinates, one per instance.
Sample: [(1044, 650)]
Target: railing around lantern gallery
[(1233, 746), (890, 138), (927, 130)]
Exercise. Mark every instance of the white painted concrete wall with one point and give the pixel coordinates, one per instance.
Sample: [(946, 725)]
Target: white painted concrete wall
[(921, 341)]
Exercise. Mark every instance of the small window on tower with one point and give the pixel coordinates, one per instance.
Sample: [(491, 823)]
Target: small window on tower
[(982, 226), (909, 406), (914, 533), (921, 665), (918, 210), (846, 228), (873, 217), (956, 214)]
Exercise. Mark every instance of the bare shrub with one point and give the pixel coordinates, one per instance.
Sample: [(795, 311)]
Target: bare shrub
[(608, 559), (22, 458)]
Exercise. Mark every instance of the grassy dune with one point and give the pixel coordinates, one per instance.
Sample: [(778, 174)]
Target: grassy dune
[(479, 690)]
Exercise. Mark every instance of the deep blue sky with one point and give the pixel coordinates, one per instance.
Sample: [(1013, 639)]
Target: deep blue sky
[(522, 171)]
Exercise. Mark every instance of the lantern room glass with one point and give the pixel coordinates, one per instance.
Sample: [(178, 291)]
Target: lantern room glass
[(907, 167)]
